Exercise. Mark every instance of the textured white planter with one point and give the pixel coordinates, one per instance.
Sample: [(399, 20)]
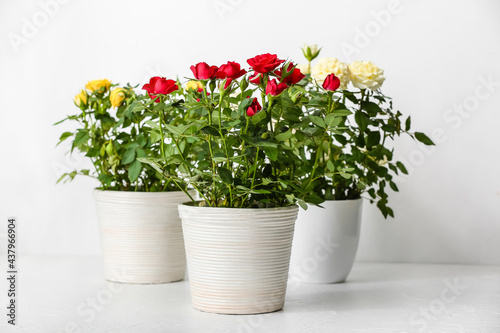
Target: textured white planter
[(326, 241), (141, 236), (238, 258)]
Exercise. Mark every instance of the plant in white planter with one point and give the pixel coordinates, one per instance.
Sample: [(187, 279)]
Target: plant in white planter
[(363, 147), (141, 233), (249, 173)]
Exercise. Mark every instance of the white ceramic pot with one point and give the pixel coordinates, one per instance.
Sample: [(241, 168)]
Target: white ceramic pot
[(326, 241), (238, 258), (141, 236)]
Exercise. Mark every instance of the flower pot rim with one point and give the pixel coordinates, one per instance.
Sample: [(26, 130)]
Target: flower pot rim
[(191, 205), (96, 189), (343, 200)]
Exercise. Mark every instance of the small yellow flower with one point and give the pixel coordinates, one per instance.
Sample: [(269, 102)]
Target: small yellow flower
[(81, 98), (117, 96), (95, 85), (194, 85)]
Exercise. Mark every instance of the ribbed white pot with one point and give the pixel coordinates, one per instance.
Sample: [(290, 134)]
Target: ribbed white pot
[(326, 241), (238, 258), (141, 236)]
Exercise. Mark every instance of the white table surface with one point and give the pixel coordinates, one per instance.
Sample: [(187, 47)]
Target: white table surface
[(69, 294)]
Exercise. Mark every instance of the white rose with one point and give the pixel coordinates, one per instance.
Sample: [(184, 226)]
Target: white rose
[(326, 66), (304, 69), (365, 75)]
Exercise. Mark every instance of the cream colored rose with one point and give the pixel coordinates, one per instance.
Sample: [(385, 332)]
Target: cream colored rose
[(365, 74), (304, 68), (327, 66)]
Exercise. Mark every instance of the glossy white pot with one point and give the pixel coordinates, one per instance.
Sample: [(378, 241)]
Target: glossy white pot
[(326, 241), (141, 236), (238, 258)]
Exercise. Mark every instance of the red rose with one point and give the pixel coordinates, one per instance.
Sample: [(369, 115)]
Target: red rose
[(331, 82), (292, 78), (255, 78), (274, 88), (159, 85), (254, 107), (202, 71), (264, 63), (231, 70)]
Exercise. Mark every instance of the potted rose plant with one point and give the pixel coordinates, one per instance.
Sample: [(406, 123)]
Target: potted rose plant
[(140, 229), (363, 148), (250, 176)]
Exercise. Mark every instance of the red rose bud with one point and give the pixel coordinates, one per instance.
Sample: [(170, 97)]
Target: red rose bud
[(254, 107), (264, 63), (202, 71), (292, 78), (255, 78), (226, 84), (274, 88), (331, 82), (231, 70), (159, 85)]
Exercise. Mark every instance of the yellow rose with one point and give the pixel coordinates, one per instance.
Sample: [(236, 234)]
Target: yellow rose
[(327, 66), (81, 98), (365, 75), (304, 68), (194, 85), (98, 84), (116, 97)]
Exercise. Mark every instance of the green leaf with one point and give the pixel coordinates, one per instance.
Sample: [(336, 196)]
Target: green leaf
[(318, 121), (242, 108), (284, 136), (423, 138), (330, 166), (173, 129), (408, 123), (402, 167), (225, 175), (393, 186), (371, 108), (64, 136), (345, 175), (362, 120), (372, 139), (341, 112), (128, 156), (210, 130), (134, 171), (332, 120), (81, 137), (271, 152), (258, 117)]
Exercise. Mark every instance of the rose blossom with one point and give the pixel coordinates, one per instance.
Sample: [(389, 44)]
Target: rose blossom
[(331, 83), (326, 66), (264, 63), (231, 70), (254, 107), (365, 74), (159, 85), (202, 71), (274, 88)]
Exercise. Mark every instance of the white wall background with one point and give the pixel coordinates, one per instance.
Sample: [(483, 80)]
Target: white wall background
[(436, 55)]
